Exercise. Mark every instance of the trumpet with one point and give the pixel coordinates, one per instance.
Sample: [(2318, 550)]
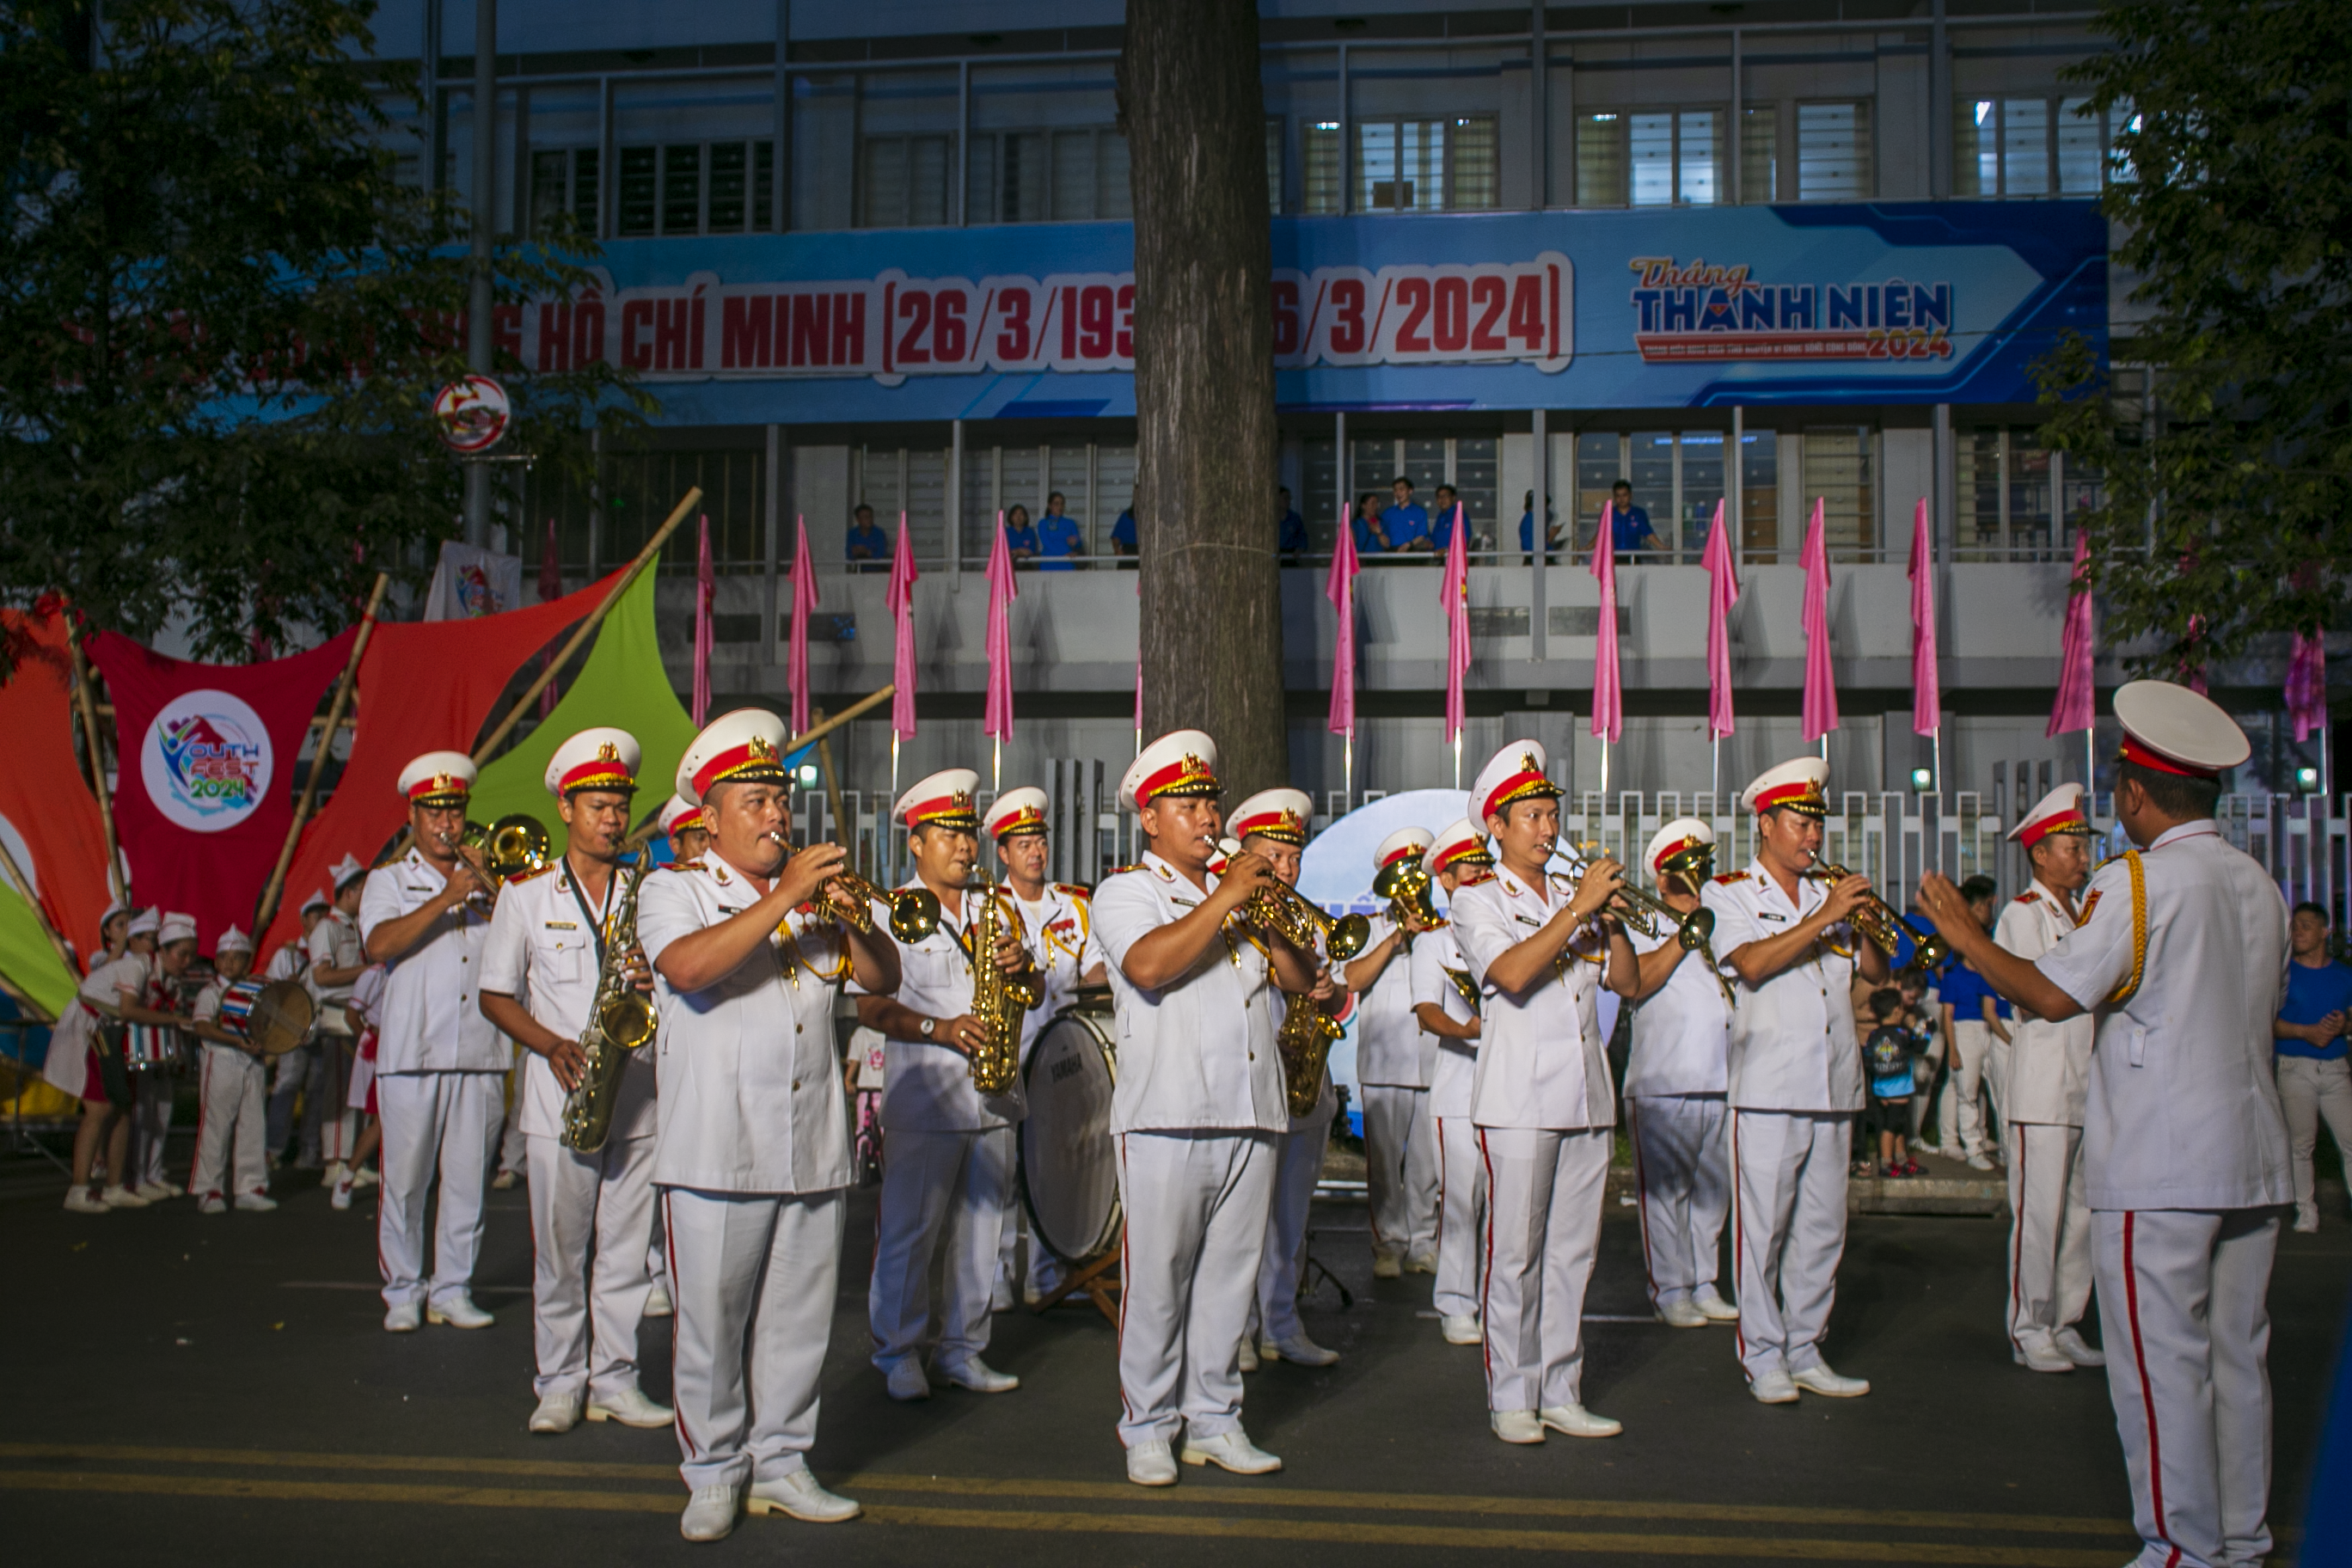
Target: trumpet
[(914, 911), (1279, 908), (1406, 884), (514, 845), (1880, 921), (1694, 929)]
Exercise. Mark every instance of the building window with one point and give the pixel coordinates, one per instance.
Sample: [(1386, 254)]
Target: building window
[(1471, 463), (902, 182), (1758, 524), (1041, 177), (2018, 500), (1650, 158), (1319, 145), (1837, 471), (1833, 145), (563, 181), (1759, 153), (2035, 146), (1096, 481), (684, 187), (1426, 166)]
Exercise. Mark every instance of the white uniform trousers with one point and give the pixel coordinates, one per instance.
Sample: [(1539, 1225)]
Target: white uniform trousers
[(1299, 1162), (1682, 1171), (1543, 1227), (447, 1122), (2309, 1089), (591, 1215), (1196, 1206), (1788, 1171), (753, 1276), (1960, 1117), (2049, 1234), (230, 1107), (2188, 1329), (287, 1079), (150, 1125), (328, 1119), (1401, 1169), (1461, 1218), (943, 1205), (510, 1134)]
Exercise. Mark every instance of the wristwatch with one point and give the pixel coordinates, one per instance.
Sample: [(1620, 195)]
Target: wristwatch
[(927, 1025)]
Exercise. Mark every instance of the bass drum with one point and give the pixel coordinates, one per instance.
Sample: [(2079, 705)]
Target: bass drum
[(1068, 1172)]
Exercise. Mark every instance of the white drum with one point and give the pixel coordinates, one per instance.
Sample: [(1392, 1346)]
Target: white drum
[(1068, 1165)]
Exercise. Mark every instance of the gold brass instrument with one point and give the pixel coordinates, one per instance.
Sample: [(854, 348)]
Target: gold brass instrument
[(914, 911), (514, 845), (1279, 908), (1650, 914), (1304, 1041), (998, 999), (1880, 921), (1406, 884), (621, 1020), (1464, 986)]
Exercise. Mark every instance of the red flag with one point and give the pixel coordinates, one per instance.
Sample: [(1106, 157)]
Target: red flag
[(1820, 705), (1608, 691), (901, 602), (1455, 590), (2076, 708), (44, 797), (1722, 594), (1339, 587), (705, 592), (2306, 684), (1926, 687), (997, 715), (804, 606)]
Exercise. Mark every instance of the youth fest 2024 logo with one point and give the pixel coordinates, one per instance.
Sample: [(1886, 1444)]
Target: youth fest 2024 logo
[(206, 761), (1699, 311)]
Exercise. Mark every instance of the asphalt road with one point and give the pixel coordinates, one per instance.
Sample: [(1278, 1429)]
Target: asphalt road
[(190, 1389)]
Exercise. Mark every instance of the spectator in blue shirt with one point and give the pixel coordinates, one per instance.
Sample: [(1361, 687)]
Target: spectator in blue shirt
[(1406, 523), (1630, 524), (1020, 539), (869, 546), (2314, 1078), (1122, 534), (1977, 1042), (1290, 534), (1528, 531), (1441, 521), (1059, 538), (1371, 535)]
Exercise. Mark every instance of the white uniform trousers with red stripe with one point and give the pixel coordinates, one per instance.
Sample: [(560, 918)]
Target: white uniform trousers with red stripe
[(433, 1122), (591, 1215), (2183, 1309), (1299, 1162), (1401, 1169), (1543, 1228), (2050, 1233), (753, 1276), (327, 1118), (1682, 1170), (942, 1216), (1461, 1218), (230, 1110), (1789, 1231), (1196, 1205), (152, 1094)]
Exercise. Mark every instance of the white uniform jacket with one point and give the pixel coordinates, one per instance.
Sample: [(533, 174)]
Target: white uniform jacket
[(1059, 929), (112, 983), (751, 1096), (2182, 1111), (1196, 1054), (432, 1008), (1682, 1031), (1793, 1042), (1542, 1063), (335, 943), (2049, 1064), (926, 1084), (1456, 1072), (542, 952), (1390, 1047)]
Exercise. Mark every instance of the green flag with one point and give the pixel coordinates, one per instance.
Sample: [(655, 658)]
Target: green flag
[(28, 959), (622, 684)]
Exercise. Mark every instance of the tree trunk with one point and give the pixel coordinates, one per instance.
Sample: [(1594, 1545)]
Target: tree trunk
[(1194, 116)]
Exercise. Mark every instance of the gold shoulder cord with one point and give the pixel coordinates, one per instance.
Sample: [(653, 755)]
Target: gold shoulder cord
[(2130, 987)]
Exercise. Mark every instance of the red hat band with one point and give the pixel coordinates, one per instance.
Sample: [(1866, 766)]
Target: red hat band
[(1455, 854), (1668, 852), (1029, 818), (438, 785), (602, 771), (2133, 751), (1803, 796), (1283, 827), (1187, 775), (1403, 852), (948, 810), (2069, 821), (756, 752), (1527, 782)]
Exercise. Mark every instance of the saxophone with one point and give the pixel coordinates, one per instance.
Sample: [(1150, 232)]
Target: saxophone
[(998, 1000), (1304, 1041), (620, 1021)]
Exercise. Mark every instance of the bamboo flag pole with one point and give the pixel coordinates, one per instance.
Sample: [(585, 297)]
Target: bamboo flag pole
[(114, 875), (815, 733), (24, 886), (268, 910), (832, 796)]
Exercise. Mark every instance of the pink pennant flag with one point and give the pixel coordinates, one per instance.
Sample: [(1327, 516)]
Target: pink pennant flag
[(900, 600), (705, 592), (796, 657), (550, 588), (1339, 587), (1820, 706), (1722, 594), (996, 717), (1926, 689), (1608, 694), (2306, 684), (1455, 592), (2073, 709)]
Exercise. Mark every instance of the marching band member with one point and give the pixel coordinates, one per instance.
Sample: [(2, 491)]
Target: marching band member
[(946, 1148), (1198, 1101), (1394, 1060), (1674, 1084), (1793, 1080), (116, 989), (1272, 825), (682, 823), (156, 1090), (1457, 860), (230, 1110), (291, 1072), (749, 952), (2048, 1079), (542, 968), (113, 935), (2181, 959), (439, 1063), (337, 958), (364, 1012), (1542, 1099)]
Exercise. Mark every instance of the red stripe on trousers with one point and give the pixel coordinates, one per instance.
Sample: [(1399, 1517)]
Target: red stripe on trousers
[(2147, 1398), (1486, 1274), (2017, 1239)]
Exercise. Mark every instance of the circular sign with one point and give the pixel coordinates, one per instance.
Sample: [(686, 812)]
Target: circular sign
[(473, 412), (206, 762)]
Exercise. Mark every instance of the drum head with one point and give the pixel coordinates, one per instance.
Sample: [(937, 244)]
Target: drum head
[(281, 1018), (1068, 1163)]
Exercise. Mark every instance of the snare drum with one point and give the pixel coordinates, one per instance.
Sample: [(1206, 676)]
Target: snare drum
[(1069, 1175), (152, 1048), (237, 1006), (274, 1016)]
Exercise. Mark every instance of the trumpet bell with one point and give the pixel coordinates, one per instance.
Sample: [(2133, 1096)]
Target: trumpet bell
[(914, 914), (1697, 929), (515, 843), (1929, 951), (1351, 934)]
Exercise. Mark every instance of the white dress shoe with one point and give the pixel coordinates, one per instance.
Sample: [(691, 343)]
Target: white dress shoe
[(1247, 1355), (1299, 1349), (977, 1375), (798, 1495), (1420, 1263), (122, 1198), (1717, 1309), (505, 1180), (156, 1192), (333, 1175), (1576, 1421), (459, 1313), (363, 1178), (2306, 1222), (709, 1514), (78, 1200), (342, 1198), (658, 1304), (1150, 1464), (631, 1408), (1774, 1388), (1463, 1329), (558, 1412), (1978, 1163), (906, 1381), (1516, 1425), (1387, 1266), (1818, 1379), (401, 1320), (2038, 1354), (212, 1203), (1231, 1451), (1000, 1300), (1682, 1314), (256, 1203), (2074, 1348)]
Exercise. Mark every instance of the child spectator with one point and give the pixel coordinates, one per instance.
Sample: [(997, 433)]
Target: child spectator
[(1887, 1057)]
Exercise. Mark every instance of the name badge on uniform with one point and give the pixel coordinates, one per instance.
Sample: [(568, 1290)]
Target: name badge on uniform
[(1188, 903), (1528, 920), (1769, 915), (564, 925)]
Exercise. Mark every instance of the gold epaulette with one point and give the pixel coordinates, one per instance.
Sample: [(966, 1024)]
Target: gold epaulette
[(1729, 877), (1074, 891), (694, 865), (2028, 897), (1110, 871), (533, 872)]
